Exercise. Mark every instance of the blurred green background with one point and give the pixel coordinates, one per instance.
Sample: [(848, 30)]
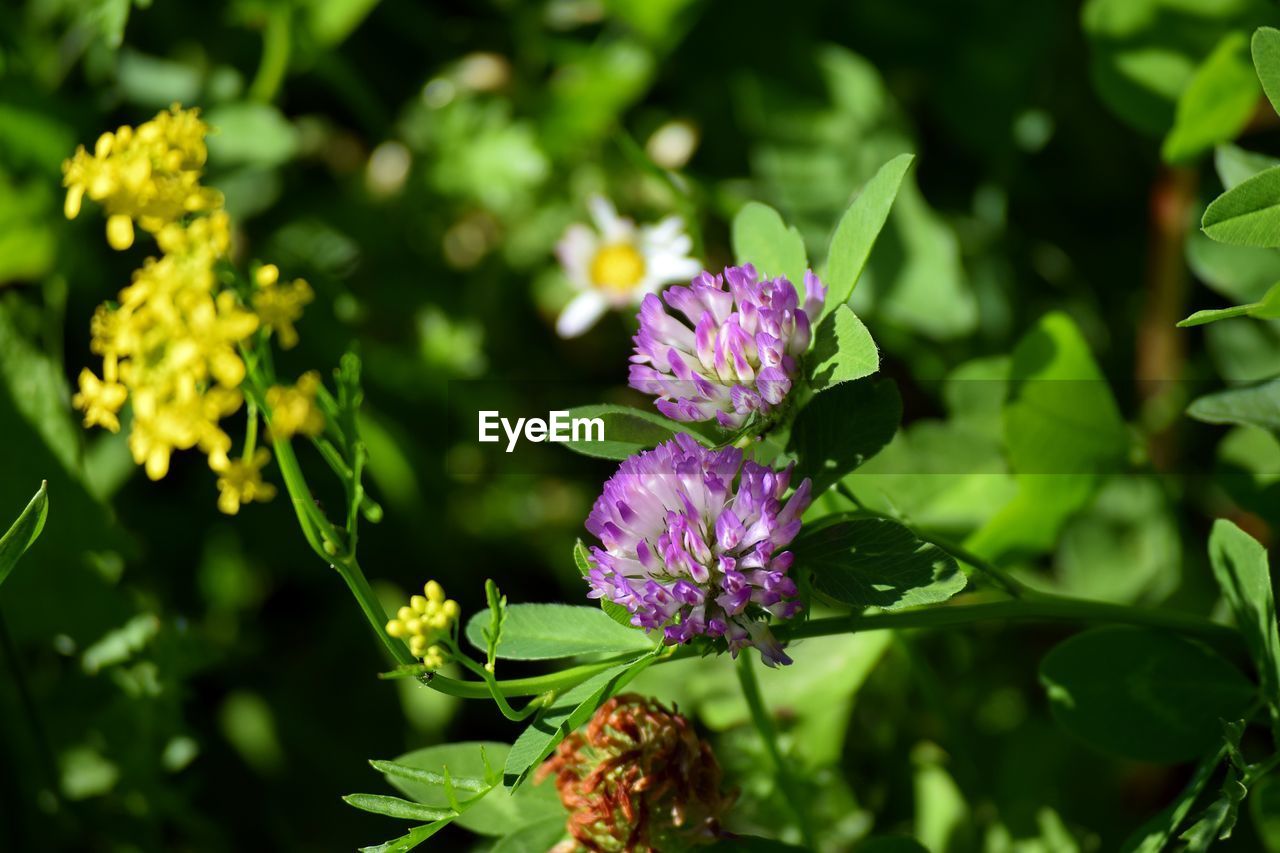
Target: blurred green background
[(178, 680)]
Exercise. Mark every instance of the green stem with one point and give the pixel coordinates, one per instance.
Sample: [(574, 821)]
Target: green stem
[(495, 694), (763, 721), (513, 687), (372, 609), (275, 55), (321, 535), (1044, 608)]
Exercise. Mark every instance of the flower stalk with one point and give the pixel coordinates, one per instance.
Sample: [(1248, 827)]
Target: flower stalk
[(763, 721)]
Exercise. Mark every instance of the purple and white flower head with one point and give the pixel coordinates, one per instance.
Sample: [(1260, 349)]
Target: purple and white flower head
[(693, 543), (616, 263), (724, 352)]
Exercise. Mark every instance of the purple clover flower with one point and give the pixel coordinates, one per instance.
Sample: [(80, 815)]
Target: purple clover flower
[(724, 353), (693, 541)]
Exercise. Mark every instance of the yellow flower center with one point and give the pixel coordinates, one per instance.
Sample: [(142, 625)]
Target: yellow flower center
[(617, 266)]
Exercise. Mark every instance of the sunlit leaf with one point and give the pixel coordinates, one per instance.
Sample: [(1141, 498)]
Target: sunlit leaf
[(1217, 103), (546, 631), (1256, 405), (760, 237), (396, 807), (842, 350), (23, 532), (1248, 214), (856, 234), (409, 840), (1240, 566), (1267, 308), (469, 762), (1265, 47)]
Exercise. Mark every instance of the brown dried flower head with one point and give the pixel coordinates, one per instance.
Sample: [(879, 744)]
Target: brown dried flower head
[(638, 778)]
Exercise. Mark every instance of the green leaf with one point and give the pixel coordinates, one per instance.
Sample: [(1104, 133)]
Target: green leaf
[(249, 134), (1266, 59), (943, 819), (492, 633), (570, 710), (627, 431), (859, 227), (875, 562), (1235, 165), (582, 559), (760, 237), (1124, 547), (1237, 273), (842, 350), (535, 838), (1032, 520), (1248, 214), (1062, 428), (1143, 694), (844, 427), (409, 840), (428, 777), (1217, 103), (547, 631), (1257, 405), (331, 21), (1144, 53), (1240, 567), (498, 813), (1060, 417), (24, 531), (396, 807), (1267, 308), (929, 291)]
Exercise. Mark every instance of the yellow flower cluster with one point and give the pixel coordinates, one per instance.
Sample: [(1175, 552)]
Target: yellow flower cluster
[(149, 174), (280, 304), (424, 622), (171, 341), (293, 410)]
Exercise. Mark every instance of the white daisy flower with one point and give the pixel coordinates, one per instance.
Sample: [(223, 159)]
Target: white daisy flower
[(617, 263)]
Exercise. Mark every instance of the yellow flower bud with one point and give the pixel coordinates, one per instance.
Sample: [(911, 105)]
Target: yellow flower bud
[(451, 609), (119, 231), (434, 591), (395, 628), (413, 626), (404, 614), (267, 275), (418, 603)]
